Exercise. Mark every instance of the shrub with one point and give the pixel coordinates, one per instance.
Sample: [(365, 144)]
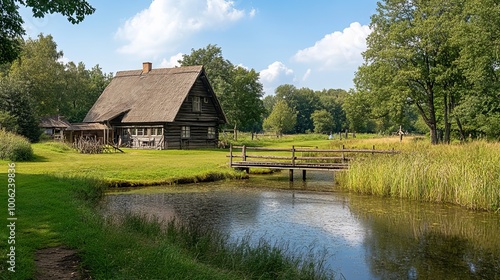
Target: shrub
[(14, 147)]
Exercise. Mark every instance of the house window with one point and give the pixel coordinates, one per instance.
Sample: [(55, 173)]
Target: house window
[(133, 131), (205, 100), (211, 133), (156, 131), (141, 131), (196, 104), (185, 132)]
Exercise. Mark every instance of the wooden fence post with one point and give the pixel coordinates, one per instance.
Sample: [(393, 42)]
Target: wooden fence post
[(293, 155), (373, 149), (244, 153), (343, 155)]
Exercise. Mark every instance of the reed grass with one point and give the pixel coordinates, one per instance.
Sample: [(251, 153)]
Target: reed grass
[(467, 175)]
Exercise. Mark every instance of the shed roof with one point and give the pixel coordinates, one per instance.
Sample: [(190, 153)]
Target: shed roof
[(155, 96), (87, 126), (54, 122)]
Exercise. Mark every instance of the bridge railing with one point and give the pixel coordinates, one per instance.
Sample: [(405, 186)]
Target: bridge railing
[(306, 154)]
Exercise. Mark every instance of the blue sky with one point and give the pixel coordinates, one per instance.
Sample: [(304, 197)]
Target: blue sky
[(314, 44)]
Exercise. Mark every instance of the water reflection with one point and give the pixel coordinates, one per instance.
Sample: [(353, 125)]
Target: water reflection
[(362, 237)]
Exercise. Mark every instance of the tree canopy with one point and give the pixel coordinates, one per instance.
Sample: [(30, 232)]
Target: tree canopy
[(11, 29), (37, 84), (433, 55)]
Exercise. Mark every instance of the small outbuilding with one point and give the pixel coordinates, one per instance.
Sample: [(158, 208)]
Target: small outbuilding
[(54, 126), (167, 108)]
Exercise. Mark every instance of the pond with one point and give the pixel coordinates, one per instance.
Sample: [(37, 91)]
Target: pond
[(359, 237)]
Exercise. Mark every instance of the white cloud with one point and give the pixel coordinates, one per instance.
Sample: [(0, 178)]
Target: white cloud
[(165, 23), (273, 71), (173, 61), (338, 49), (275, 74)]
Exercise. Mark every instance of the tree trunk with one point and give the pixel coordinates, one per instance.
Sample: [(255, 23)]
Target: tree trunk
[(460, 129), (447, 124)]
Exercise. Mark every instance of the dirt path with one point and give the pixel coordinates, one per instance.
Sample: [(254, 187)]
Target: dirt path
[(58, 263)]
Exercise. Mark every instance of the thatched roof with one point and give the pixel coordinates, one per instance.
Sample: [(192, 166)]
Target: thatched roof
[(155, 96), (54, 122), (87, 126)]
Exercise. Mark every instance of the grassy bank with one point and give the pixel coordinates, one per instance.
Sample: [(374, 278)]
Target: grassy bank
[(132, 168), (467, 175)]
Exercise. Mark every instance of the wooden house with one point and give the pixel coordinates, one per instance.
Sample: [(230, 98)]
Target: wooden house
[(54, 126), (168, 108)]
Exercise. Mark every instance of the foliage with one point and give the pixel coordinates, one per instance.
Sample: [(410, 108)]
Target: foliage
[(242, 105), (54, 88), (14, 147), (304, 101), (332, 100), (11, 31), (281, 119), (15, 101), (437, 56), (323, 121), (7, 121)]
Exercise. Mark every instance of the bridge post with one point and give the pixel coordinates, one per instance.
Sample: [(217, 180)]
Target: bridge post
[(343, 155), (303, 174), (293, 155), (244, 153), (290, 175), (230, 155)]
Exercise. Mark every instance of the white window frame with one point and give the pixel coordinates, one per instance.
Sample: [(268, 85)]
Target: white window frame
[(196, 100), (185, 132), (211, 132)]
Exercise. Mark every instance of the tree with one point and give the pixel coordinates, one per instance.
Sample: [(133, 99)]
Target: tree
[(11, 31), (304, 101), (358, 109), (11, 22), (323, 121), (239, 90), (54, 88), (410, 57), (39, 66), (243, 105), (14, 100), (332, 101), (282, 119)]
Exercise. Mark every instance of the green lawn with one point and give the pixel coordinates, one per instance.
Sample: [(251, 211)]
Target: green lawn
[(136, 166)]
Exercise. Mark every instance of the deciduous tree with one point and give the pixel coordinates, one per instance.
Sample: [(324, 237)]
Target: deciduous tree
[(282, 119), (11, 29)]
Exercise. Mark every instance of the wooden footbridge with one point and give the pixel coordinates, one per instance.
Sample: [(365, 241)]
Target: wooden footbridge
[(297, 158)]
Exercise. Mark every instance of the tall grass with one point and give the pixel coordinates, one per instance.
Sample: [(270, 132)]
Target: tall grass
[(468, 175)]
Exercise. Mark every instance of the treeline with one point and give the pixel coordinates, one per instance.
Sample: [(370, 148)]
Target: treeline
[(289, 109), (38, 84)]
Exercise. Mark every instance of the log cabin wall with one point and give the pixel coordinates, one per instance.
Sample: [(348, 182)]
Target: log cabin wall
[(198, 115)]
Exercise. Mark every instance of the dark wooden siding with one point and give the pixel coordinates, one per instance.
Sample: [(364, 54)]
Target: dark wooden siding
[(198, 122)]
